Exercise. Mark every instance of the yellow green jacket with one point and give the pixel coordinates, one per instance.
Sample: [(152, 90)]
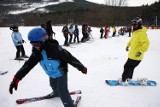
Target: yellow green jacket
[(138, 43), (114, 29)]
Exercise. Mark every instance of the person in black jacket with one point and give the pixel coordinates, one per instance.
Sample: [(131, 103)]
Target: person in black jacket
[(54, 60), (101, 31), (49, 29), (76, 34)]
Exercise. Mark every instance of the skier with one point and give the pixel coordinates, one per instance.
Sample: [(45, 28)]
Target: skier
[(43, 25), (71, 31), (84, 33), (54, 60), (106, 31), (101, 31), (121, 31), (129, 31), (89, 31), (114, 31), (76, 34), (18, 42), (65, 34), (49, 30), (138, 44)]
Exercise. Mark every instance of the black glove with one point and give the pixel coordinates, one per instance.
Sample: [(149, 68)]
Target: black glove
[(84, 70), (23, 41), (14, 84), (19, 42), (138, 54), (127, 48)]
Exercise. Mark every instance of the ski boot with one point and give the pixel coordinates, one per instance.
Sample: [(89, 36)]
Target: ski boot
[(52, 95)]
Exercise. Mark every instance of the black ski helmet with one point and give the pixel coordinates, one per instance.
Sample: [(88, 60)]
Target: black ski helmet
[(137, 21)]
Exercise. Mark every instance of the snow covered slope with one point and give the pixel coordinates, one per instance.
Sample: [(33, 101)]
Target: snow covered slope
[(104, 59)]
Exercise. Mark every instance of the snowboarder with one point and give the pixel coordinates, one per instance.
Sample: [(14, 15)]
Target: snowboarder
[(137, 45), (18, 42), (54, 60)]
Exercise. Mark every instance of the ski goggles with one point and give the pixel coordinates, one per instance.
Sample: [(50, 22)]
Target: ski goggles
[(36, 44)]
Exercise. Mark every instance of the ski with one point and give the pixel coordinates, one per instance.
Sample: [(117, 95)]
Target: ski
[(19, 59), (34, 99), (77, 101), (70, 46), (3, 72)]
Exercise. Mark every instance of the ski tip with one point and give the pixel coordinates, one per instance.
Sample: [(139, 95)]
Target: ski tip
[(19, 102)]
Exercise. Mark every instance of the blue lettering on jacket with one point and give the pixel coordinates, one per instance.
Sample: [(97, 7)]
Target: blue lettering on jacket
[(51, 67)]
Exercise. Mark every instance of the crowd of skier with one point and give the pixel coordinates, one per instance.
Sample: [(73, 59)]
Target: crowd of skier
[(70, 33)]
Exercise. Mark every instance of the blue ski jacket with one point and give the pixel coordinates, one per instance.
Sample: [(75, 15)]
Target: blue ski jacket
[(53, 51), (17, 38)]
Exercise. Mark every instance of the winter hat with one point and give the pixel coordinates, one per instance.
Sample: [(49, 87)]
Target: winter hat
[(14, 28)]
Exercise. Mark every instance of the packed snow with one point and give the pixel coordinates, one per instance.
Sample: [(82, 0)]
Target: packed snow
[(104, 59)]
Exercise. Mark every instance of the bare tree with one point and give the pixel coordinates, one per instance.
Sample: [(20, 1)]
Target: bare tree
[(116, 2)]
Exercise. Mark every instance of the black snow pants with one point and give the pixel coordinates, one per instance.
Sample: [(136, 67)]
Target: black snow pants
[(129, 67), (20, 49)]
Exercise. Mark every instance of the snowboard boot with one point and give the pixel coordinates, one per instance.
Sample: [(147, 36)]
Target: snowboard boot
[(120, 81), (142, 81)]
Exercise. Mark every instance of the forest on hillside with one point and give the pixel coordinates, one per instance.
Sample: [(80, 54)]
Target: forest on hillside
[(81, 12)]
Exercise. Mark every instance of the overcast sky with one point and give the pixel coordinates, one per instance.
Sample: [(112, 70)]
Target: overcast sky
[(130, 2)]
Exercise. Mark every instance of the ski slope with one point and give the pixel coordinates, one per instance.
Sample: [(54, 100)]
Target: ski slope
[(104, 59)]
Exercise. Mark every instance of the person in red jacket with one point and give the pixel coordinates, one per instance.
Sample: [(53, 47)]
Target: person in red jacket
[(65, 31), (106, 31)]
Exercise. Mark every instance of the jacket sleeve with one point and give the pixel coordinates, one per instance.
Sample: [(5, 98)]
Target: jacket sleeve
[(14, 38), (67, 57), (145, 43), (129, 43), (28, 65)]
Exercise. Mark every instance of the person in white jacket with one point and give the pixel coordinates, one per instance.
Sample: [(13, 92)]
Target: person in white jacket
[(18, 42), (71, 31)]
